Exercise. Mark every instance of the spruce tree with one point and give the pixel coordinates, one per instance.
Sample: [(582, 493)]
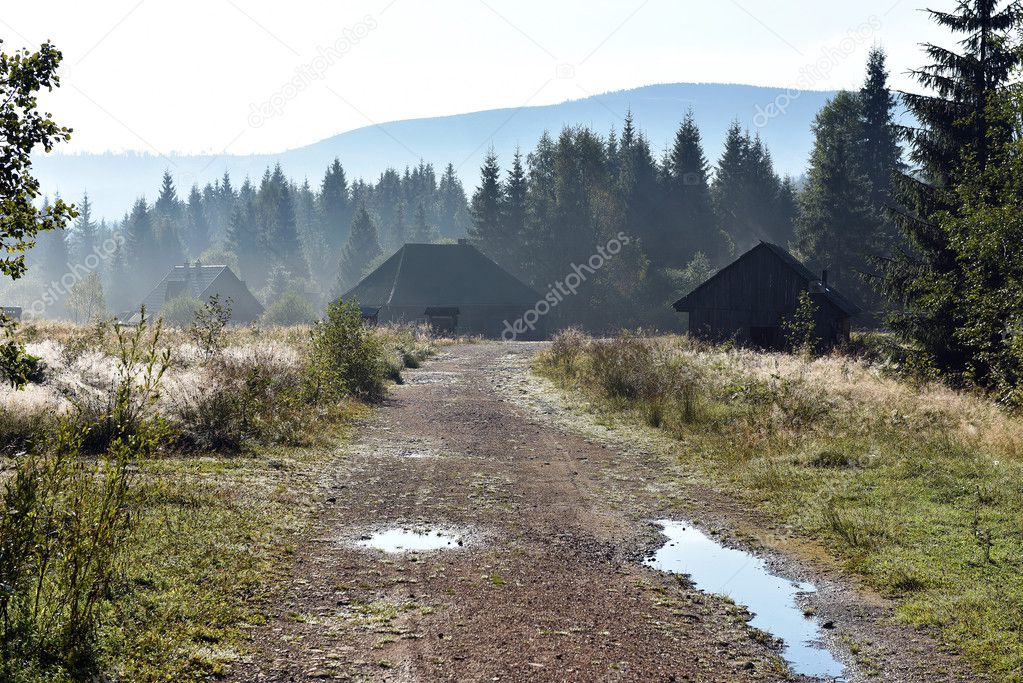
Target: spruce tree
[(881, 153), (85, 239), (170, 248), (452, 205), (167, 204), (335, 214), (959, 128), (398, 234), (122, 290), (487, 211), (142, 257), (837, 222), (220, 208), (242, 234), (787, 210), (537, 260), (51, 255), (277, 226), (197, 230), (422, 231), (640, 186), (691, 226), (361, 249), (747, 192), (729, 187), (515, 212)]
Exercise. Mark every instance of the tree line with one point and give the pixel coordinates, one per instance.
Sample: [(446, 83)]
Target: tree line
[(553, 206), (278, 235)]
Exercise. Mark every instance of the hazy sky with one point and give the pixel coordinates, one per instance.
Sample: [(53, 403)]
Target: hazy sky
[(244, 76)]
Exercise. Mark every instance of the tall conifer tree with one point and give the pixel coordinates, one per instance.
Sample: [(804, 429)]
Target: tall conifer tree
[(960, 127), (361, 249)]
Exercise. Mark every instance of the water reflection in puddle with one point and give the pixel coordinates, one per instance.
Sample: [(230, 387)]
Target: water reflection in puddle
[(407, 540), (746, 579)]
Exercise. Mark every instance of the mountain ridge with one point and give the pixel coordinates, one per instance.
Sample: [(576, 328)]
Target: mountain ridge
[(115, 180)]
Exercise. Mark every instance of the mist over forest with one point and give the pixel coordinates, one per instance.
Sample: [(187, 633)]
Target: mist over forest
[(537, 212)]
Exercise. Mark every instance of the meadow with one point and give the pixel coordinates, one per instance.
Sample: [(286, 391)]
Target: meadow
[(907, 483), (155, 481)]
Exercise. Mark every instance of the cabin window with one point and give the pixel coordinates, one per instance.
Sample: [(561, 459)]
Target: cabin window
[(443, 321), (769, 338)]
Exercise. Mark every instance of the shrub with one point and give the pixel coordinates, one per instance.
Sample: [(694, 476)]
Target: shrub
[(648, 374), (566, 348), (291, 308), (207, 328), (624, 367), (801, 328), (180, 312), (346, 358), (246, 397), (411, 344), (64, 523), (20, 430), (126, 410)]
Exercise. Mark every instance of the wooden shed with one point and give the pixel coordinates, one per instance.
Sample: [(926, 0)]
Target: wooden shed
[(749, 301), (453, 288)]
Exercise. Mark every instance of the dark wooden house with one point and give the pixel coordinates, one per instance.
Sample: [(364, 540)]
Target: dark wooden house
[(201, 282), (749, 301), (454, 288)]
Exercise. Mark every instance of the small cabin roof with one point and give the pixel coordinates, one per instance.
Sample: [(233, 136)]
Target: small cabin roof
[(194, 281), (829, 292), (441, 275)]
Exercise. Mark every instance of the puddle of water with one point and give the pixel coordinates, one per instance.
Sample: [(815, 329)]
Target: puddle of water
[(747, 580), (410, 541)]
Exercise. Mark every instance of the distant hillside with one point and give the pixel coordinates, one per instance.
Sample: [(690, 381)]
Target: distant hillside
[(115, 181)]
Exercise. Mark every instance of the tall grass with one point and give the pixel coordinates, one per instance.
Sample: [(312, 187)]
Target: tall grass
[(911, 484), (107, 557), (65, 520)]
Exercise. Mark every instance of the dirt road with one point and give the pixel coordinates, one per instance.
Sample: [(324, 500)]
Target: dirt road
[(547, 584)]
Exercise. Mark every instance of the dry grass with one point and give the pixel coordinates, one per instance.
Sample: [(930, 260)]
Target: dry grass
[(262, 365), (228, 491), (913, 485)]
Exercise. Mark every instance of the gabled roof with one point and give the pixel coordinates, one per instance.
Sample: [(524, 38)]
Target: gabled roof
[(829, 292), (193, 281), (441, 275)]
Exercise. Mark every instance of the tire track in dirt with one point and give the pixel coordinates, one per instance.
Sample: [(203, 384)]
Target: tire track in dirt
[(548, 586)]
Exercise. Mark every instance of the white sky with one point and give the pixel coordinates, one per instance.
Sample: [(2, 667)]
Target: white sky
[(182, 76)]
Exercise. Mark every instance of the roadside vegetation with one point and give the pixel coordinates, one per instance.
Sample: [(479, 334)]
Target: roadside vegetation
[(153, 480), (910, 484)]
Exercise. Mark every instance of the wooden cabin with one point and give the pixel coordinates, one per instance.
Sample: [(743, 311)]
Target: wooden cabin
[(453, 288), (749, 301)]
